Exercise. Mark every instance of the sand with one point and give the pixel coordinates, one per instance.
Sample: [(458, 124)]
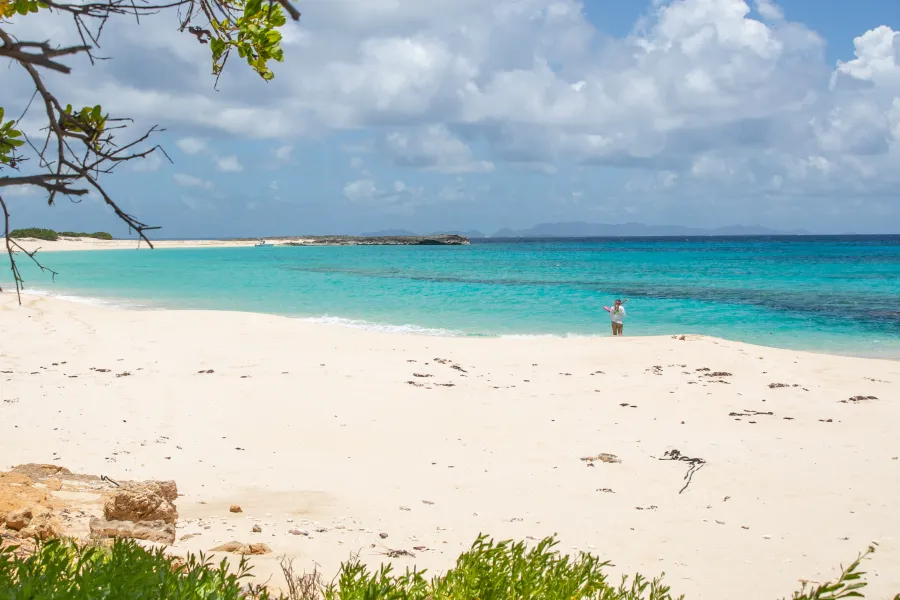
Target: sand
[(66, 244), (317, 433)]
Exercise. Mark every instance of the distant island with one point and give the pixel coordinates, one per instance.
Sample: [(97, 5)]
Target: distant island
[(48, 235), (440, 239), (444, 239)]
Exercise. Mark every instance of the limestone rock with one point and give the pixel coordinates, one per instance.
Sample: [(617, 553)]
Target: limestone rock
[(143, 501), (19, 519), (38, 471), (156, 531), (43, 526), (236, 547)]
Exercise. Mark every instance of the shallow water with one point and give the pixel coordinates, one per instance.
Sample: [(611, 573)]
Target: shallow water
[(836, 294)]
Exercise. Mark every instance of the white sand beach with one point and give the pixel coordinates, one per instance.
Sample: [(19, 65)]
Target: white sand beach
[(341, 435), (68, 244)]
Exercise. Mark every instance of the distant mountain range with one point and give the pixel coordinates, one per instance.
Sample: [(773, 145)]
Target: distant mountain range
[(582, 229)]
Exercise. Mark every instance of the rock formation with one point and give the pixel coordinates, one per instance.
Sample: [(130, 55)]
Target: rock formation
[(45, 501), (239, 548)]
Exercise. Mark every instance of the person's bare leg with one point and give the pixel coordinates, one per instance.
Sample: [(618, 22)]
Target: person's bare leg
[(621, 328), (614, 329)]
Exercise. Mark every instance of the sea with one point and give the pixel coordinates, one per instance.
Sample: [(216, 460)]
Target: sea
[(834, 294)]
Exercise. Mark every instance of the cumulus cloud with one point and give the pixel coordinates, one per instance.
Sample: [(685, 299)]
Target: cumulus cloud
[(229, 164), (185, 180), (190, 145), (148, 164), (398, 197), (724, 97), (433, 148), (361, 189), (283, 153)]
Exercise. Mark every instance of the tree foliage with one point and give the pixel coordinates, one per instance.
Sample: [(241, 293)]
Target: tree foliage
[(78, 145)]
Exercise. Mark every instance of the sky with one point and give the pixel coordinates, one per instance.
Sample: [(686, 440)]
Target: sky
[(436, 115)]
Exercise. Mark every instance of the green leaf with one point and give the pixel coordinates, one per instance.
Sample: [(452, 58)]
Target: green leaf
[(252, 7)]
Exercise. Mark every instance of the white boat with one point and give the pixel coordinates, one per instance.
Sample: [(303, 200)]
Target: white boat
[(261, 243)]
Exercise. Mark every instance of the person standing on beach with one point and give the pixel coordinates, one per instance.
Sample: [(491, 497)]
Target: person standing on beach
[(617, 314)]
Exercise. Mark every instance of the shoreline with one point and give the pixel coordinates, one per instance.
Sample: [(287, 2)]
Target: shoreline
[(317, 428), (68, 244), (419, 330)]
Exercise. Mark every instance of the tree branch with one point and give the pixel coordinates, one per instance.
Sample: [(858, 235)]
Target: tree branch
[(11, 246), (80, 144)]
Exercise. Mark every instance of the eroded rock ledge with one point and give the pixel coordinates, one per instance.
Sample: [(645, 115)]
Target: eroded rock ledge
[(47, 501)]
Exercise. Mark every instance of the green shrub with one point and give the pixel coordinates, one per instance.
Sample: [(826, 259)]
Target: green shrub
[(97, 235), (34, 232), (65, 570), (497, 571), (51, 236)]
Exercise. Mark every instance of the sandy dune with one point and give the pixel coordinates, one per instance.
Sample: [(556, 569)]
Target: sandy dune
[(328, 437)]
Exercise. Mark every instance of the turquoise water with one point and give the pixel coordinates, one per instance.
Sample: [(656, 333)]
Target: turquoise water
[(834, 294)]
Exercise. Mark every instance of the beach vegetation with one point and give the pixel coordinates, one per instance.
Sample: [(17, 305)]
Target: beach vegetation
[(70, 149), (97, 235), (489, 570), (48, 235)]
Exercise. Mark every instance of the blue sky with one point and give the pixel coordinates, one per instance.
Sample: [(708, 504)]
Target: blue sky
[(480, 114)]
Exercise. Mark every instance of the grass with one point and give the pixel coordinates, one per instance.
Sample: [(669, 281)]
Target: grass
[(49, 235), (489, 570)]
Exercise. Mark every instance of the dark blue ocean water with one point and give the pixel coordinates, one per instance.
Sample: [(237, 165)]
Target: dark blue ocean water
[(836, 293)]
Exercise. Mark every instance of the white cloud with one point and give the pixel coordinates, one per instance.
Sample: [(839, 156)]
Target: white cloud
[(399, 198), (360, 190), (23, 191), (283, 153), (769, 10), (190, 145), (434, 148), (148, 164), (709, 92), (185, 180), (229, 164)]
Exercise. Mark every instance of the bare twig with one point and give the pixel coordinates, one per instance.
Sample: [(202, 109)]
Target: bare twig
[(80, 145), (11, 247)]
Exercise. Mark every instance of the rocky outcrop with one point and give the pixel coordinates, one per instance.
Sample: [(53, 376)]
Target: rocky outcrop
[(143, 501), (387, 240), (158, 532), (239, 548), (46, 501), (142, 510)]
